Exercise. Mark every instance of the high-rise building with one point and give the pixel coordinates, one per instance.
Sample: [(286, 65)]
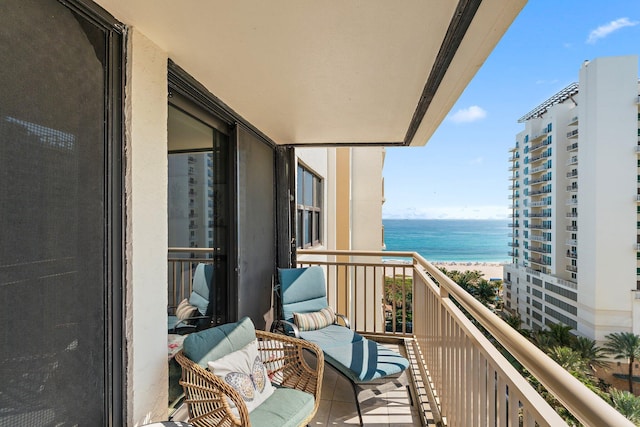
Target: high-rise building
[(575, 190)]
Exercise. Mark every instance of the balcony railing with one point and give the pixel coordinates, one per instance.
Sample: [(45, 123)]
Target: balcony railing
[(473, 382), (572, 134)]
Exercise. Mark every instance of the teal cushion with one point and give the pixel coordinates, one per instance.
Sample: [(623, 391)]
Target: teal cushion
[(171, 322), (286, 407), (331, 336), (303, 290), (202, 281), (213, 343), (365, 360)]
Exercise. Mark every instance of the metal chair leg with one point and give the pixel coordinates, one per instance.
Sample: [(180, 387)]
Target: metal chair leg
[(355, 394)]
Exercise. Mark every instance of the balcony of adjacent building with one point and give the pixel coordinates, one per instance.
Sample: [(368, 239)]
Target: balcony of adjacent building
[(540, 203), (571, 202), (542, 179), (573, 121), (573, 160), (540, 261), (573, 146), (572, 253), (539, 214), (539, 249), (513, 224), (539, 237), (457, 375), (572, 228), (573, 187), (539, 226), (514, 166), (514, 186), (572, 268), (572, 174), (572, 134)]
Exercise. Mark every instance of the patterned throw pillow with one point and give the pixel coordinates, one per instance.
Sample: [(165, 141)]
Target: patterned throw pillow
[(184, 310), (315, 320), (244, 371)]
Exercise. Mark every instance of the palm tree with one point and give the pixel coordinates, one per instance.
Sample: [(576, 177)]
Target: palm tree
[(486, 292), (627, 404), (514, 321), (569, 359), (590, 352), (624, 345), (561, 334)]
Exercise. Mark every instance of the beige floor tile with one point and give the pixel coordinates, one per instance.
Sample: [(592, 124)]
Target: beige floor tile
[(343, 413)]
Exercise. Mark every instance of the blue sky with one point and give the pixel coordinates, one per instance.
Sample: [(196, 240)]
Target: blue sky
[(462, 171)]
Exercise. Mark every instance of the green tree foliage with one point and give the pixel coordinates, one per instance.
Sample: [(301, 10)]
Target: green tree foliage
[(398, 294), (627, 404), (624, 345)]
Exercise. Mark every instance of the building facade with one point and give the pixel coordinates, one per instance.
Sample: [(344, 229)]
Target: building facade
[(575, 217)]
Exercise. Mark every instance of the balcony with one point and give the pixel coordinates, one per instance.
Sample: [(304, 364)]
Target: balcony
[(573, 121), (572, 161), (572, 228), (572, 268), (571, 242), (539, 249), (572, 147), (572, 187), (572, 202), (572, 134), (469, 381), (457, 376), (572, 215), (572, 174), (572, 254)]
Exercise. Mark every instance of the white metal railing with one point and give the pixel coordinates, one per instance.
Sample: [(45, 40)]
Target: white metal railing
[(472, 382)]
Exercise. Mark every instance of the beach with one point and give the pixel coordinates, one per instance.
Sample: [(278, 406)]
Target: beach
[(489, 270)]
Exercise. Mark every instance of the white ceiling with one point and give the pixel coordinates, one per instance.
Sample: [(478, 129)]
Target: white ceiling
[(323, 72)]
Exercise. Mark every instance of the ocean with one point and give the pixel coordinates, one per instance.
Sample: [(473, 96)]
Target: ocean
[(460, 240)]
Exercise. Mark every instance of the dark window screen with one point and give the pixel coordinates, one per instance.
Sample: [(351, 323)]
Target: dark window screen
[(52, 216)]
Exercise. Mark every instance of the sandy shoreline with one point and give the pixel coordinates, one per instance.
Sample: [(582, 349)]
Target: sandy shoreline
[(489, 270)]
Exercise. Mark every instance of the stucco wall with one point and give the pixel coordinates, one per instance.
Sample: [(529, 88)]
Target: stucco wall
[(146, 231)]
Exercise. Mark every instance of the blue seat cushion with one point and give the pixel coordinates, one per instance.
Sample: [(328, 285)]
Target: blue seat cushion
[(286, 407), (303, 290), (213, 343), (365, 360), (331, 336)]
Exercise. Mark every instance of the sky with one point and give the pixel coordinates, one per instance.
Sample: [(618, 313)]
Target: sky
[(462, 171)]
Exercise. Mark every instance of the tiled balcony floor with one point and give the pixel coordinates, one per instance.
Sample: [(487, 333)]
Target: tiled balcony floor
[(388, 408), (385, 403)]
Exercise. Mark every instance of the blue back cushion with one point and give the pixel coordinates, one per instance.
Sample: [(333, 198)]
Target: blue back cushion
[(303, 290), (202, 279), (213, 343)]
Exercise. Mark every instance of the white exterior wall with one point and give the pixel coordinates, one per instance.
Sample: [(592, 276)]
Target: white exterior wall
[(606, 201), (607, 187), (366, 198), (146, 231)]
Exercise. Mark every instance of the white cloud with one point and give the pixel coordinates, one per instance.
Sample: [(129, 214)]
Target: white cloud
[(604, 30), (451, 212), (476, 161), (468, 115)]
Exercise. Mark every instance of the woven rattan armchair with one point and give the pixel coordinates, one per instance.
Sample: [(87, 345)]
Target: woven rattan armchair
[(207, 396)]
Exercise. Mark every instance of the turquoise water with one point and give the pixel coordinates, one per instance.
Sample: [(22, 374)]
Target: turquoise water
[(463, 240)]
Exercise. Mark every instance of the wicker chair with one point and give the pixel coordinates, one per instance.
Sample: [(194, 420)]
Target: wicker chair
[(207, 396)]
